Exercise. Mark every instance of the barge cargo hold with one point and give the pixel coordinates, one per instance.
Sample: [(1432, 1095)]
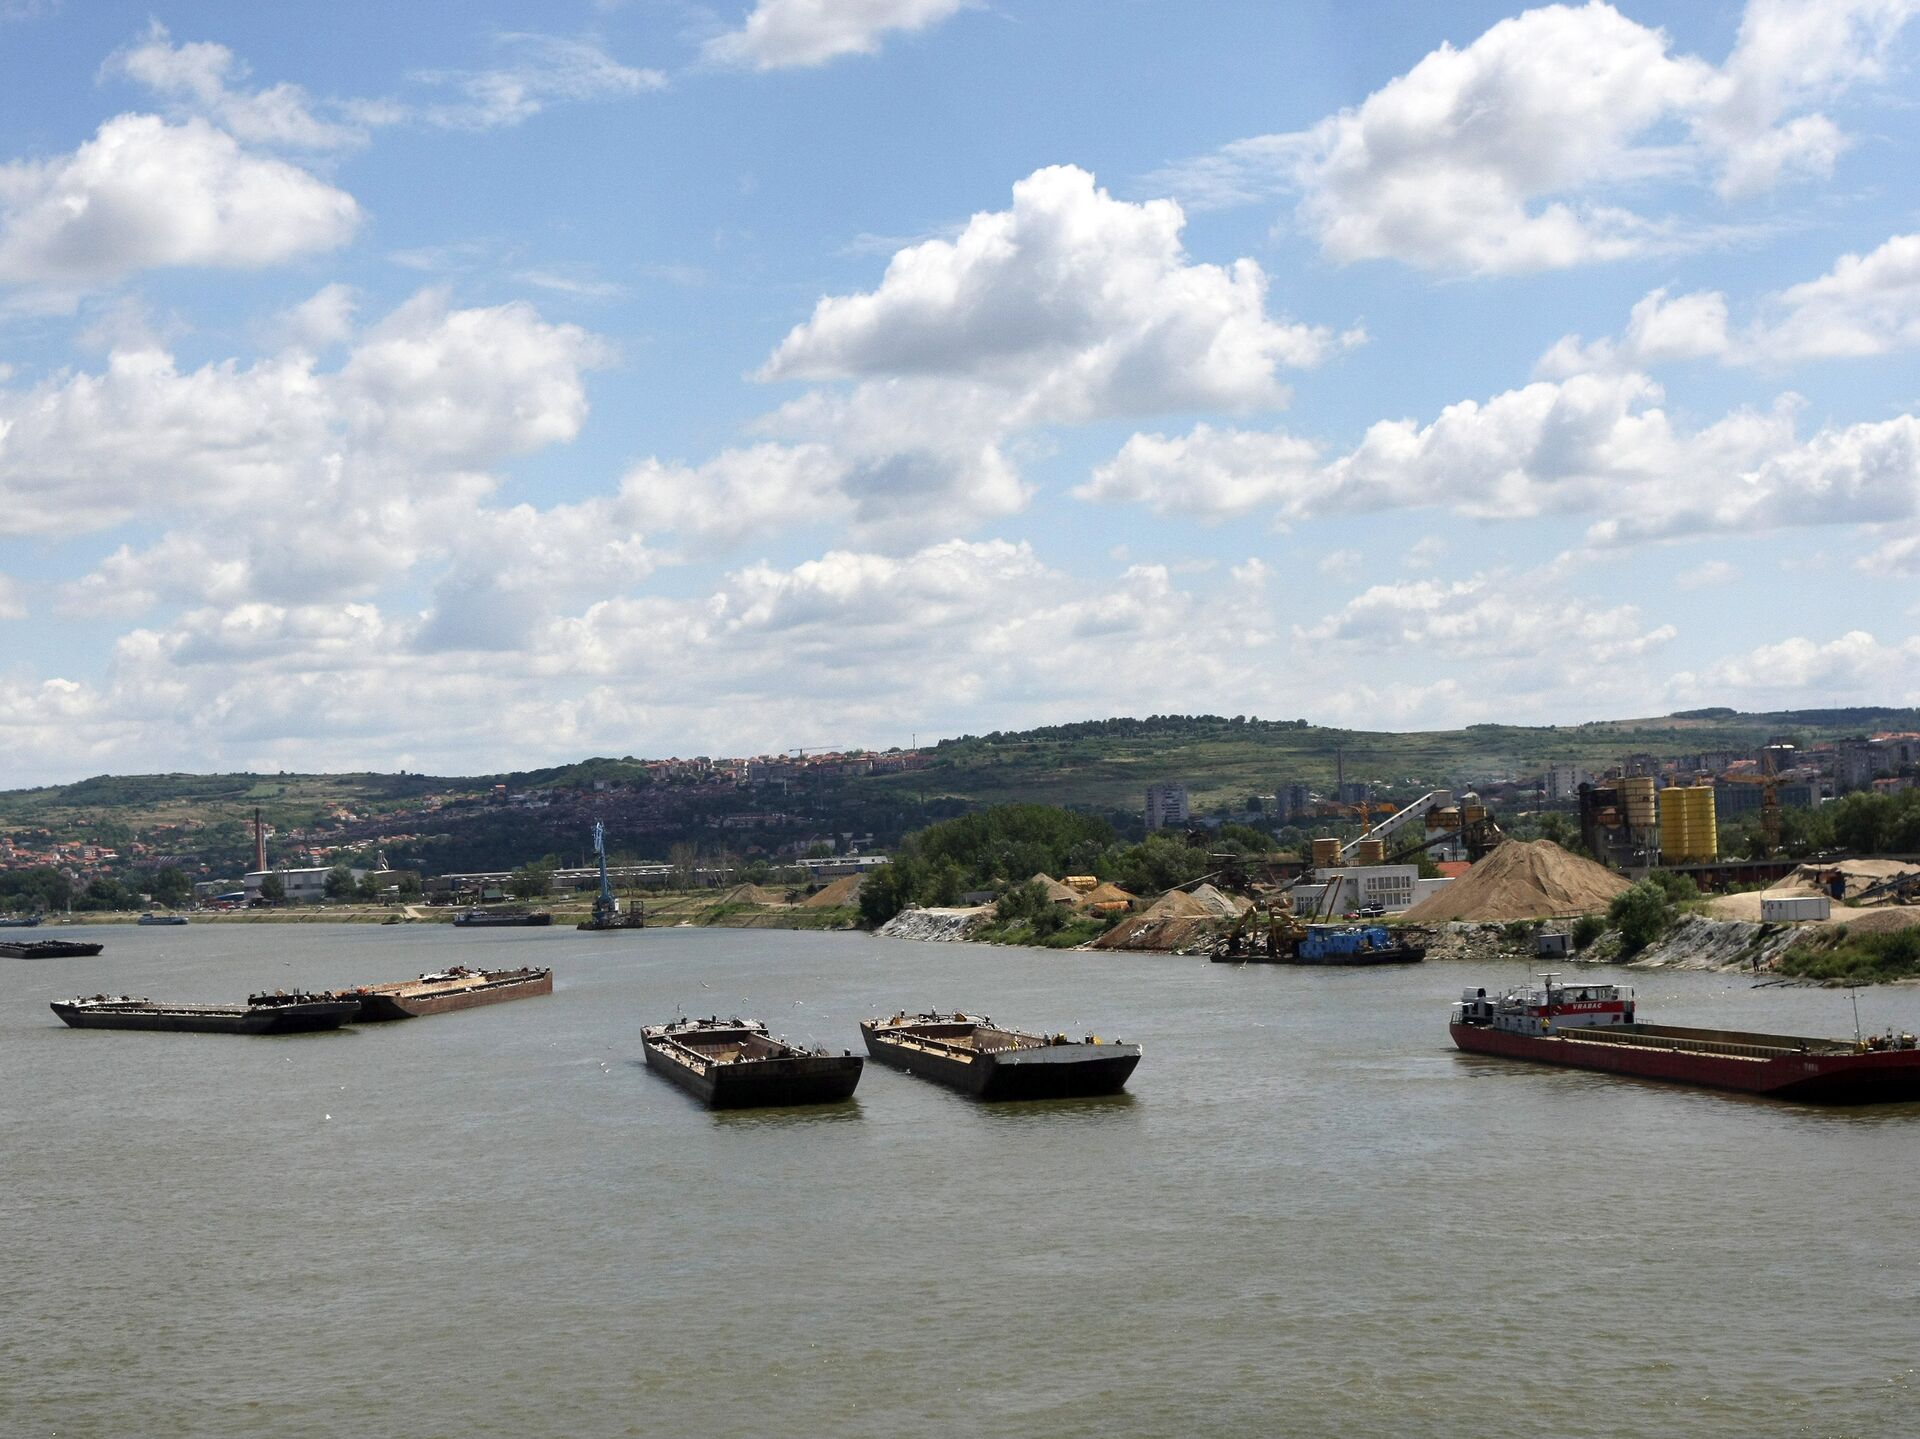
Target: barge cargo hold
[(49, 949), (736, 1064), (1593, 1026), (455, 988), (977, 1057), (261, 1014)]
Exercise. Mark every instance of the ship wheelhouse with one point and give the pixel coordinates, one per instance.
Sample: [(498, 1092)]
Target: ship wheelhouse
[(1547, 1007)]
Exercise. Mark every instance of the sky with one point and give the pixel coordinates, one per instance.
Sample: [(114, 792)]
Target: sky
[(468, 388)]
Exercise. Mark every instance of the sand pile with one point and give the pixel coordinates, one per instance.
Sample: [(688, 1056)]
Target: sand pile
[(1860, 874), (1105, 895), (1533, 879), (843, 891), (751, 894), (1222, 906), (1055, 891), (1175, 921), (1876, 920)]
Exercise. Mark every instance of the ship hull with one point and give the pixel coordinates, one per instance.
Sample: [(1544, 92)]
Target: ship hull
[(1403, 954), (502, 921), (1833, 1077), (383, 1003), (1050, 1071), (761, 1083), (214, 1018)]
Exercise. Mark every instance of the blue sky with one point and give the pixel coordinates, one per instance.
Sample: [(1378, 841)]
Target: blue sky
[(459, 388)]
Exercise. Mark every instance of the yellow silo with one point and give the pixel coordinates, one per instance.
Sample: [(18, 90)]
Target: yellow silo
[(1688, 827)]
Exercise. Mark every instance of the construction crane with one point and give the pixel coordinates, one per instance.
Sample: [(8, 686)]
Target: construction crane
[(1769, 800), (801, 751)]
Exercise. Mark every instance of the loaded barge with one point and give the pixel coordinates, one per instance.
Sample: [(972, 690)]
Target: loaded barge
[(294, 1013), (502, 919), (736, 1064), (49, 949), (455, 988), (973, 1055), (1593, 1026)]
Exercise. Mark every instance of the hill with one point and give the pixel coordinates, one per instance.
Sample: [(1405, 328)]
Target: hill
[(1100, 766)]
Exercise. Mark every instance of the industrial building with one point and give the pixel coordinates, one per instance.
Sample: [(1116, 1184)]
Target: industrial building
[(300, 885)]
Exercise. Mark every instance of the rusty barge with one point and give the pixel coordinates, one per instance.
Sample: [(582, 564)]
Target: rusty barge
[(448, 989), (979, 1058), (736, 1064), (1595, 1026)]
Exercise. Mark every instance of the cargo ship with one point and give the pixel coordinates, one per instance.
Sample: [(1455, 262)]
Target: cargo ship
[(151, 918), (455, 988), (1595, 1026), (736, 1064), (502, 919), (49, 949), (977, 1057), (19, 921), (295, 1013)]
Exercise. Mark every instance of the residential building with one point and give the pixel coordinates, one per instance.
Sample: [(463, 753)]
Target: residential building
[(1166, 806)]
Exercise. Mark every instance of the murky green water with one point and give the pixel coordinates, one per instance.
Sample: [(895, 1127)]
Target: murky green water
[(1309, 1215)]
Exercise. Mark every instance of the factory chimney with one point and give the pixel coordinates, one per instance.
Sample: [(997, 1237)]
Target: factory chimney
[(259, 843)]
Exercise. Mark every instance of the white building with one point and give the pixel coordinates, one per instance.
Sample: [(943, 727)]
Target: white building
[(1393, 887), (299, 884), (1166, 805)]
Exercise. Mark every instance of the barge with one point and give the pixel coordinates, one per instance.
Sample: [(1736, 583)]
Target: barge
[(295, 1013), (736, 1064), (502, 919), (977, 1057), (49, 948), (455, 988), (1595, 1026)]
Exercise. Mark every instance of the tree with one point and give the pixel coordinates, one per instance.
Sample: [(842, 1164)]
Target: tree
[(531, 881), (273, 889), (1641, 914), (339, 882), (171, 887), (366, 889)]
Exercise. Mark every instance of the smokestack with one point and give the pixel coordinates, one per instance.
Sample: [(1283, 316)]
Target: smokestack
[(259, 843)]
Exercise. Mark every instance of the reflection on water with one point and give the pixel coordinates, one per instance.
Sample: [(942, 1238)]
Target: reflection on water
[(492, 1223)]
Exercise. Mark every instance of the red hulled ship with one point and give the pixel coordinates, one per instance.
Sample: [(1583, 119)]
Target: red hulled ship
[(1593, 1026)]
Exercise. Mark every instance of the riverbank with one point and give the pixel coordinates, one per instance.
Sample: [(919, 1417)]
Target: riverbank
[(696, 908)]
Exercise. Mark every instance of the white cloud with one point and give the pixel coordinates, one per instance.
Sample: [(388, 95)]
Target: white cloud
[(1659, 331), (1209, 474), (1502, 157), (542, 71), (778, 34), (1593, 444), (324, 318), (1074, 303), (200, 78), (13, 599), (143, 193), (1855, 667)]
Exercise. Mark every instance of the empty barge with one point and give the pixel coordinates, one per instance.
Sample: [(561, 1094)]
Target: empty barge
[(977, 1057), (49, 949), (455, 988), (1593, 1026), (736, 1064)]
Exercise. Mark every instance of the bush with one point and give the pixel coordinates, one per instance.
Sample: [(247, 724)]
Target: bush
[(1863, 959), (1587, 929), (1641, 914), (1679, 888), (1520, 931)]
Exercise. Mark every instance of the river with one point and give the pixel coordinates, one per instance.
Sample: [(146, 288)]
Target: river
[(1308, 1215)]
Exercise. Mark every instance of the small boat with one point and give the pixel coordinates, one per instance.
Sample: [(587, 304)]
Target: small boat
[(502, 918), (295, 1013), (736, 1064), (151, 918), (49, 949), (977, 1057), (455, 988), (1595, 1026), (19, 921)]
